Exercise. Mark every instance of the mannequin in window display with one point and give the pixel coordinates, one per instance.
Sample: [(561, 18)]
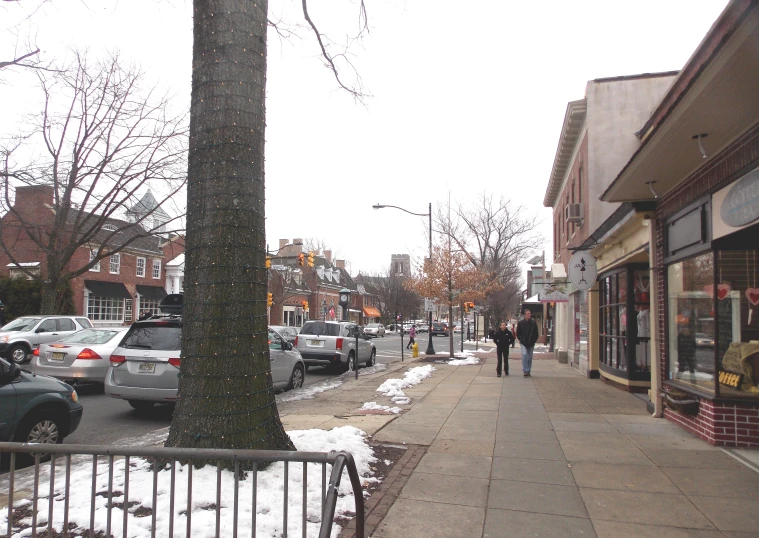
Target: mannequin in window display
[(686, 349)]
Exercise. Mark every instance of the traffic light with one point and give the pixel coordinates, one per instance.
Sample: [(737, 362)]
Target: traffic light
[(310, 259), (268, 262), (466, 308), (269, 299), (301, 259), (471, 305), (305, 306)]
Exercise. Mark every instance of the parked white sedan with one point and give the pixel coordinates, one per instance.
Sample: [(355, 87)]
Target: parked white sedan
[(375, 330)]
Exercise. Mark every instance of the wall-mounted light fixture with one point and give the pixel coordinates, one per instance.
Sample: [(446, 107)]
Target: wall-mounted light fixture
[(651, 188), (699, 138)]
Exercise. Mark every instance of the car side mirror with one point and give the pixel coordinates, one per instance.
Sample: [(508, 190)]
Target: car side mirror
[(40, 330), (13, 373), (288, 346)]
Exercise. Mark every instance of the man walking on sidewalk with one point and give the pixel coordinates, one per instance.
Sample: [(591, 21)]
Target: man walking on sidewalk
[(503, 339), (527, 333)]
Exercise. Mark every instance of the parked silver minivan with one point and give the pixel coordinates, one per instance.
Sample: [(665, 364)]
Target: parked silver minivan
[(144, 368)]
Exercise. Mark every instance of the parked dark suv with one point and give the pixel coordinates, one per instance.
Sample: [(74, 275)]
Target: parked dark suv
[(35, 408), (439, 328)]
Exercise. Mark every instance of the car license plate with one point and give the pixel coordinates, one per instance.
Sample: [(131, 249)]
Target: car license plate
[(146, 368), (57, 356), (316, 343)]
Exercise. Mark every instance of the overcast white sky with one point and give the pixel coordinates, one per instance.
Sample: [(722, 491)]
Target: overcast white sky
[(467, 97)]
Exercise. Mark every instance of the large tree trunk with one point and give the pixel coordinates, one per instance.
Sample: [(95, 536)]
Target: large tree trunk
[(48, 296), (226, 398)]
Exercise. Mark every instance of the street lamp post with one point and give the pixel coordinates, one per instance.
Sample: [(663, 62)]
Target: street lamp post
[(430, 347)]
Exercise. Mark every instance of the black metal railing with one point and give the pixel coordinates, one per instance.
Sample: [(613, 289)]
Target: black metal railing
[(168, 460)]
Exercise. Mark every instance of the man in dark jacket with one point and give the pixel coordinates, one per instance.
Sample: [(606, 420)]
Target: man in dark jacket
[(503, 339), (527, 333)]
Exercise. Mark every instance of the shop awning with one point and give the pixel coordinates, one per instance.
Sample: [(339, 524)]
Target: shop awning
[(371, 312), (154, 293), (107, 289)]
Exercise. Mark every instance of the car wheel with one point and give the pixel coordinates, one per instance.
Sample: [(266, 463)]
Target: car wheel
[(42, 428), (141, 405), (372, 358), (296, 379), (18, 354), (351, 363), (383, 335)]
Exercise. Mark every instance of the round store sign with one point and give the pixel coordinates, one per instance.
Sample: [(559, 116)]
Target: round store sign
[(582, 270)]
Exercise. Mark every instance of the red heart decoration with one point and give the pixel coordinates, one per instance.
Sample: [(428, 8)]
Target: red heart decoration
[(723, 290), (752, 294)]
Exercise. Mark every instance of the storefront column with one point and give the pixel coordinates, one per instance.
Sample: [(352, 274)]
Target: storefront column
[(654, 394), (593, 328)]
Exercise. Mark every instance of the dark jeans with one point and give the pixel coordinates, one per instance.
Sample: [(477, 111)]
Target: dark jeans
[(410, 342), (503, 359)]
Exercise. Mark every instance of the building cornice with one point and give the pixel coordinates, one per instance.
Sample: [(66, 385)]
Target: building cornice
[(571, 129)]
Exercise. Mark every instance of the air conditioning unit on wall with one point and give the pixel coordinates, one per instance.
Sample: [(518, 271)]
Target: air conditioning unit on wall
[(574, 213)]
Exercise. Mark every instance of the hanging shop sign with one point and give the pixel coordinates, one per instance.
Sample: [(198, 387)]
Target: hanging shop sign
[(582, 270), (553, 293), (737, 205)]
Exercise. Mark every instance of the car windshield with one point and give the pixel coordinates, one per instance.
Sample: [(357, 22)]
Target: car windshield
[(21, 324), (92, 336), (373, 326), (154, 336), (321, 328)]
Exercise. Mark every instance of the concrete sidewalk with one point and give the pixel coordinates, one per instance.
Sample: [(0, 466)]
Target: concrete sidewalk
[(552, 455)]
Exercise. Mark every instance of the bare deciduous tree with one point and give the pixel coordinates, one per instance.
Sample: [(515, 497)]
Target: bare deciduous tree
[(496, 236), (97, 144), (393, 296)]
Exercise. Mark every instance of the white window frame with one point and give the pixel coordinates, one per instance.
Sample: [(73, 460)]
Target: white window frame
[(157, 269), (95, 268), (117, 259), (141, 263), (105, 308), (151, 305)]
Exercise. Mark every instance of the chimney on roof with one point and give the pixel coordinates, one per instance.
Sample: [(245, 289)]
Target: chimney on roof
[(340, 264), (298, 241), (33, 195), (283, 243), (328, 256)]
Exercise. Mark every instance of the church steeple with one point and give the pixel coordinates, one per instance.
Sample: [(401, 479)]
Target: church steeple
[(155, 221)]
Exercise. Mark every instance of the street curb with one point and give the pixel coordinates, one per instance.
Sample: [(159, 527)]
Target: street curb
[(378, 505)]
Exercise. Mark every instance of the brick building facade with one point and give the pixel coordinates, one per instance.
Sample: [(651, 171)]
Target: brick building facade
[(114, 290)]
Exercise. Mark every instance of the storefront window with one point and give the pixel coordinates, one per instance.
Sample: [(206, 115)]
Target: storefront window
[(614, 320), (642, 305), (690, 286), (579, 305), (737, 323)]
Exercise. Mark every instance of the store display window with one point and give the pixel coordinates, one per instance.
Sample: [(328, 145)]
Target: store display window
[(625, 323), (691, 321)]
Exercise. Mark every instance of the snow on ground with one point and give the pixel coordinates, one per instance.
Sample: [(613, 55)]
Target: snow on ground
[(393, 388), (372, 369), (374, 406), (540, 348), (308, 393), (269, 499)]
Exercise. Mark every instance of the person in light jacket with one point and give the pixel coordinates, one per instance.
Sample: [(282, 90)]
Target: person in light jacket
[(527, 333), (411, 336), (503, 339)]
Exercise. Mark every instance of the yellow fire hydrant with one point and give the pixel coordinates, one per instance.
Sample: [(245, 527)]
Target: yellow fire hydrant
[(415, 350)]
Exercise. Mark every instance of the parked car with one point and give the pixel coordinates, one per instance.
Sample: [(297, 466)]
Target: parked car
[(288, 333), (144, 367), (456, 328), (374, 329), (439, 328), (704, 341), (333, 343), (422, 328), (23, 335), (35, 408), (81, 357)]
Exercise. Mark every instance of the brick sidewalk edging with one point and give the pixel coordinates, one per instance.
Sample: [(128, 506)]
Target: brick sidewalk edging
[(377, 506)]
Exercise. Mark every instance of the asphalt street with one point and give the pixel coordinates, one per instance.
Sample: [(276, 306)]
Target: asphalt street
[(107, 420)]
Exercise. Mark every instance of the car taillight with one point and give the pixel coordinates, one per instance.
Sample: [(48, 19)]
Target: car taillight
[(295, 344), (87, 353), (36, 352), (174, 362), (339, 343), (117, 359)]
